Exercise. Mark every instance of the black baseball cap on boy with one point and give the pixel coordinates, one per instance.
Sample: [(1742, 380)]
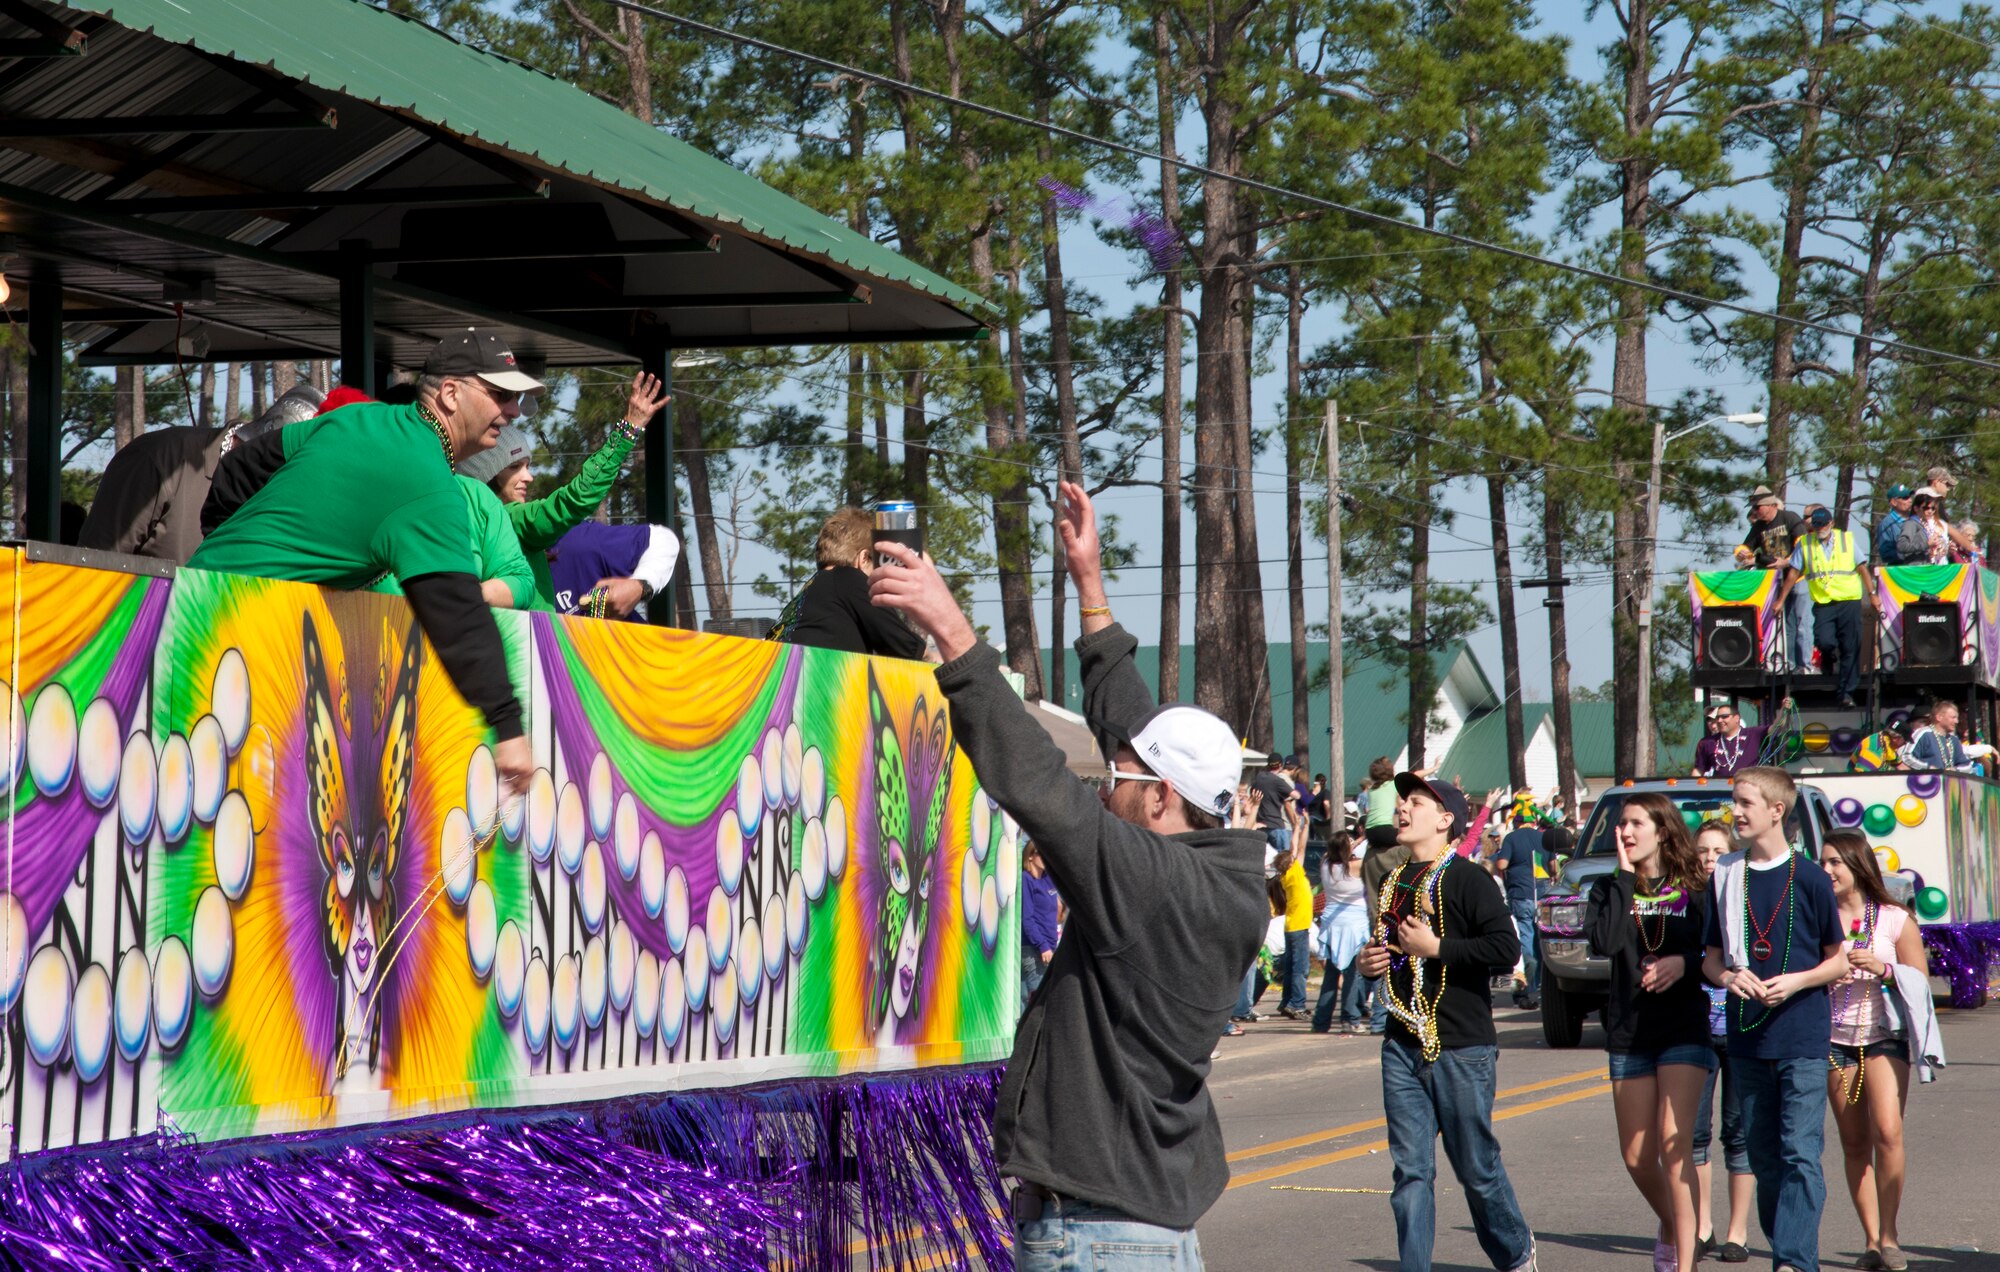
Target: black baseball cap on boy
[(1444, 793)]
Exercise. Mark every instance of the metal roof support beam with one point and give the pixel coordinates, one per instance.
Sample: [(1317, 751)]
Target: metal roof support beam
[(155, 125), (675, 221), (274, 201), (52, 38), (727, 300), (357, 317), (658, 359), (529, 252), (527, 322), (44, 503)]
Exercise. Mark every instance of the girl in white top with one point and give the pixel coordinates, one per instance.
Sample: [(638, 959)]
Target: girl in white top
[(1868, 1070), (1343, 930)]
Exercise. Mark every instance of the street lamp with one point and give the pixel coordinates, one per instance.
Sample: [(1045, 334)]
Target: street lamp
[(1646, 758)]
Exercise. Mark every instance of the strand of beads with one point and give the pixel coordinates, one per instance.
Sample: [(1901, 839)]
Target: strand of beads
[(1418, 1016)]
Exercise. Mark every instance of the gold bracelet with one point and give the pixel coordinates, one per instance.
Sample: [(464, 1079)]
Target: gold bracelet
[(1092, 611)]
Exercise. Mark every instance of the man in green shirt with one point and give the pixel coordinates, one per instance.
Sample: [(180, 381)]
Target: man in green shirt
[(367, 492)]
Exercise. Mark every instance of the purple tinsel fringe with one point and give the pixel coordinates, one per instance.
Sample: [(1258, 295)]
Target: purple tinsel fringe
[(1161, 243), (1966, 954), (779, 1176)]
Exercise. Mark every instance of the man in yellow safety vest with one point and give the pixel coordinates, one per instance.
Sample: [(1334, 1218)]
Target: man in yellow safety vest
[(1840, 584)]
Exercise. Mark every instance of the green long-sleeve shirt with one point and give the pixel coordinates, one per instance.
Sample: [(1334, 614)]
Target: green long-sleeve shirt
[(495, 548), (538, 523)]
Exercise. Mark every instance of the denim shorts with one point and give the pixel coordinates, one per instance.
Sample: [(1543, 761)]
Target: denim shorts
[(1641, 1064), (1846, 1057)]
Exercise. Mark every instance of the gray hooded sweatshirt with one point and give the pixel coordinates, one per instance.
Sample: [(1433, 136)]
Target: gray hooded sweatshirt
[(1106, 1098)]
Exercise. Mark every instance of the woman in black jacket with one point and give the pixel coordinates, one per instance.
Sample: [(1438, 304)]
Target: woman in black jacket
[(1648, 919)]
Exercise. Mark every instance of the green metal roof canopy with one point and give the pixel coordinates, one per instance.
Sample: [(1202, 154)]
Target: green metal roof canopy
[(269, 163)]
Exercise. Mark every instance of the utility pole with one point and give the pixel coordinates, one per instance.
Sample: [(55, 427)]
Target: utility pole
[(1336, 748)]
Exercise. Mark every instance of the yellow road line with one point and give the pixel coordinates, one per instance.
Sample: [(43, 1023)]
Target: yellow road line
[(1362, 1150), (1320, 1137)]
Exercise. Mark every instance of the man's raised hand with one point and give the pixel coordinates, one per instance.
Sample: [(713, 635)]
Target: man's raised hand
[(1077, 525), (913, 585)]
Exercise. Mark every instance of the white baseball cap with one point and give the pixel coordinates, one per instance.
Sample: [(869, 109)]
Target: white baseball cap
[(1195, 751)]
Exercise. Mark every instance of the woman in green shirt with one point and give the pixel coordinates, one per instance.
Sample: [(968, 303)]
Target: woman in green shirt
[(538, 523)]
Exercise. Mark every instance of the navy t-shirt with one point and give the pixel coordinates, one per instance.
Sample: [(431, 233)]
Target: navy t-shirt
[(1801, 1028), (1519, 848)]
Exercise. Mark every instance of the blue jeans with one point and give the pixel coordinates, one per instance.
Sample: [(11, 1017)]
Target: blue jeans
[(1298, 960), (1800, 620), (1735, 1151), (1837, 633), (1342, 986), (1279, 837), (1531, 943), (1032, 969), (1246, 999), (1075, 1236), (1784, 1121), (1453, 1098), (1378, 1016)]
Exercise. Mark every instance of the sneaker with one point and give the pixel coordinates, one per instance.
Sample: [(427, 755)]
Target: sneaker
[(1893, 1258), (1234, 1031), (1528, 1264), (1845, 702), (1292, 1013), (1531, 1002), (1870, 1261)]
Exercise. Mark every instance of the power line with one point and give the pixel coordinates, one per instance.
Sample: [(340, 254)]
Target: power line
[(1265, 187)]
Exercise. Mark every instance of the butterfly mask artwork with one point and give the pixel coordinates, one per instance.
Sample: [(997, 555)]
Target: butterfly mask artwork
[(912, 778), (358, 775)]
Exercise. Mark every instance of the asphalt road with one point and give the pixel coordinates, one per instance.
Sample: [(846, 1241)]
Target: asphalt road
[(1302, 1118)]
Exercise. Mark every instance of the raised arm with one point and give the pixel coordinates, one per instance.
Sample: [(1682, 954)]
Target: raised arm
[(540, 522)]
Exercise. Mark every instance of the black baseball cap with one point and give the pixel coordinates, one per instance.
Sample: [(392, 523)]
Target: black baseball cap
[(473, 352), (1444, 793)]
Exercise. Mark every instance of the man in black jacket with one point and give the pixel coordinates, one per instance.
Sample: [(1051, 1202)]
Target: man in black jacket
[(1104, 1119), (1443, 932)]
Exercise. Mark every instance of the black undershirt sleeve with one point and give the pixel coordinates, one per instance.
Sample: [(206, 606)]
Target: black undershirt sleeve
[(452, 613), (241, 474)]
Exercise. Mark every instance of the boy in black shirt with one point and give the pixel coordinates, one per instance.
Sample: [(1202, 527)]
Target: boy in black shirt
[(1443, 930), (832, 610)]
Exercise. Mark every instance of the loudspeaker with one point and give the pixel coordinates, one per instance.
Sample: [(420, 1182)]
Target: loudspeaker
[(1930, 634), (1729, 649)]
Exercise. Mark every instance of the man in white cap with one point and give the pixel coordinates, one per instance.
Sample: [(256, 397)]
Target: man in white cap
[(1104, 1123), (348, 498)]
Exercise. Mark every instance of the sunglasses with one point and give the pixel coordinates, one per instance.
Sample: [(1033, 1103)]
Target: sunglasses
[(1109, 782), (500, 396)]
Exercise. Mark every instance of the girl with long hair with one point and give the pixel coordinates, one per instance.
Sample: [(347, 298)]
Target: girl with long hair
[(1649, 919), (1710, 843), (1343, 930), (1868, 1071)]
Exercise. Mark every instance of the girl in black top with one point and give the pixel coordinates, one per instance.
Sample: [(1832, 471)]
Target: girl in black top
[(1648, 919)]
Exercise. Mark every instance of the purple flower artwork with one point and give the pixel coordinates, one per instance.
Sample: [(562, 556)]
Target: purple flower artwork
[(1163, 245)]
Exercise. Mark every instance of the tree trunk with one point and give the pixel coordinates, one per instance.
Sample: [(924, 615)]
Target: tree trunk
[(1295, 535), (232, 397), (122, 430), (1419, 673), (701, 502), (205, 399), (1784, 336), (1170, 378), (283, 376), (1510, 636), (1226, 663), (1630, 566), (1552, 561), (916, 443), (857, 220), (1055, 297), (260, 376), (638, 66), (1013, 530)]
